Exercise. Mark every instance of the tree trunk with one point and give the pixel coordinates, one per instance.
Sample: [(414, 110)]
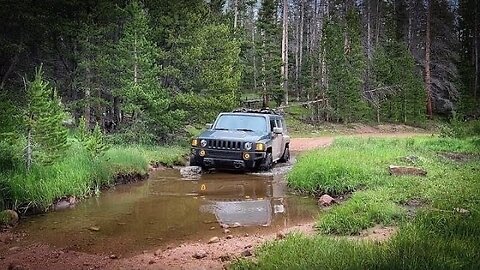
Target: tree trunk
[(300, 47), (28, 155), (476, 30), (297, 51), (235, 20), (255, 75), (87, 112), (135, 61), (428, 79), (377, 35), (409, 36), (369, 31), (284, 68), (264, 79), (9, 70)]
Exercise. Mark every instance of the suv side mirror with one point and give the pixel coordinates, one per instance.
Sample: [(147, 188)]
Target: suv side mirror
[(208, 126), (277, 130)]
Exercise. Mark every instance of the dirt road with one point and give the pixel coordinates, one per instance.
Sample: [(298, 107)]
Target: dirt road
[(17, 253)]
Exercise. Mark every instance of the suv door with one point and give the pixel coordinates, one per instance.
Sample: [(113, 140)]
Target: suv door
[(277, 139)]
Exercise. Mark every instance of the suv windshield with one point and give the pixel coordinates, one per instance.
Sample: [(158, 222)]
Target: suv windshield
[(242, 122)]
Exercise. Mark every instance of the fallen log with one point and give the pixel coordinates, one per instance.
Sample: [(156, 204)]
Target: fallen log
[(405, 170)]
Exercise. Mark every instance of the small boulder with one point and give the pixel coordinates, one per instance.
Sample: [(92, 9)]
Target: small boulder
[(213, 240), (200, 254), (246, 253), (325, 200), (225, 258), (158, 252), (189, 171), (9, 217), (236, 225), (15, 248), (229, 236), (72, 200), (224, 226), (280, 235), (461, 211), (226, 231), (152, 261), (113, 257), (94, 229)]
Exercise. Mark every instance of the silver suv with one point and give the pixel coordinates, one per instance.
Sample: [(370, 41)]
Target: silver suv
[(242, 140)]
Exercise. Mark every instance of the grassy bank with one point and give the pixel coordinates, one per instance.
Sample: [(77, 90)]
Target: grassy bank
[(435, 237), (79, 175)]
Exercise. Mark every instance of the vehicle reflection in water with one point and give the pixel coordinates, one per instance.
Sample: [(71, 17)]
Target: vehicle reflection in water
[(168, 209), (240, 202)]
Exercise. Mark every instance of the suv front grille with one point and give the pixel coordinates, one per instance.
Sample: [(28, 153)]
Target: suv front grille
[(222, 144)]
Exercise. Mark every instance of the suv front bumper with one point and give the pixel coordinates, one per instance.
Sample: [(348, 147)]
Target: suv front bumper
[(231, 160)]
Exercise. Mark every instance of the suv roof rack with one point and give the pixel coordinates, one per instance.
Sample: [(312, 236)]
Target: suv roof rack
[(263, 110)]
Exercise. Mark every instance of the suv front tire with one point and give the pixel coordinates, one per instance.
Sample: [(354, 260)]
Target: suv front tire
[(267, 162), (286, 155)]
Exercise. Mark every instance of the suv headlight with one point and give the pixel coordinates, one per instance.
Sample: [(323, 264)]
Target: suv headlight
[(194, 142), (203, 143), (260, 147), (248, 146)]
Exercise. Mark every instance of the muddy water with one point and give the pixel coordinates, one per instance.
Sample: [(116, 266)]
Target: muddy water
[(167, 210)]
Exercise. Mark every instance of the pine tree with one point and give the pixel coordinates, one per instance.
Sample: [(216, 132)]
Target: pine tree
[(46, 136), (269, 52), (398, 94), (345, 63), (213, 63), (469, 35), (144, 99)]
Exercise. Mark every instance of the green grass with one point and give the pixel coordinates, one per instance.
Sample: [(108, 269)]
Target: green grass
[(78, 175), (436, 238)]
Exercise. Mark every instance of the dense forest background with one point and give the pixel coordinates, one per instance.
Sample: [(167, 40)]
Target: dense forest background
[(144, 70)]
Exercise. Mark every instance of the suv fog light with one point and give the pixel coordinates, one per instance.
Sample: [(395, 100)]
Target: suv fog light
[(246, 156), (202, 153)]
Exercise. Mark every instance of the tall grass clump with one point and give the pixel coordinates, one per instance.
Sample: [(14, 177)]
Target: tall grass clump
[(364, 209), (350, 164), (78, 174)]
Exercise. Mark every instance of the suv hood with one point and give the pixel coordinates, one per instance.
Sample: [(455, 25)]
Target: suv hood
[(232, 135)]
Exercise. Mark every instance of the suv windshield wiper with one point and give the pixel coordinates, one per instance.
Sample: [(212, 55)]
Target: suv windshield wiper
[(221, 128), (245, 129)]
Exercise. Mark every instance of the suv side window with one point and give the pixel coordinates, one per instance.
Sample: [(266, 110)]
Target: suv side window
[(284, 126), (273, 124), (279, 123)]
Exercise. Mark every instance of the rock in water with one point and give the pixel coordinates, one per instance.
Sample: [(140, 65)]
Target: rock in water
[(325, 200), (213, 240), (236, 225), (9, 217), (200, 254), (189, 171), (405, 170), (94, 229)]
